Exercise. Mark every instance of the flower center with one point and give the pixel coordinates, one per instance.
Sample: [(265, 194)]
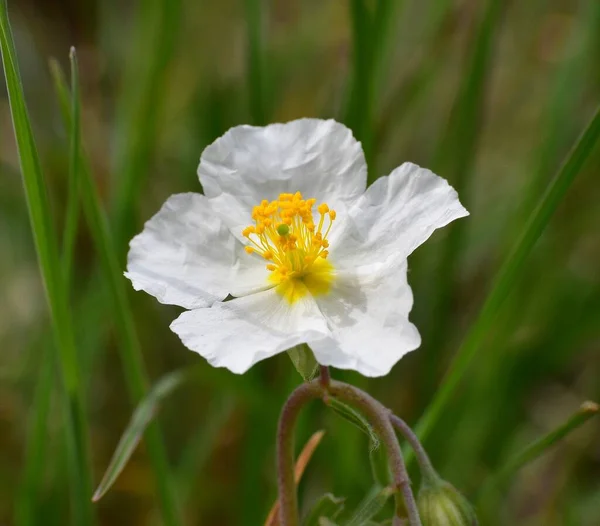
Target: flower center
[(285, 234)]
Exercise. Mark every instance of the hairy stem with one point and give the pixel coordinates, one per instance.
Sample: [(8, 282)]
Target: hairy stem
[(379, 418), (288, 511), (427, 470)]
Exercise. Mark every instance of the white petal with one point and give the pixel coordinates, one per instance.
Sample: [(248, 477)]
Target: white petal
[(319, 158), (367, 312), (186, 256), (238, 333), (395, 215)]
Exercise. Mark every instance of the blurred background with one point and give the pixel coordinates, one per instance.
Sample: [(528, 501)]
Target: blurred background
[(489, 94)]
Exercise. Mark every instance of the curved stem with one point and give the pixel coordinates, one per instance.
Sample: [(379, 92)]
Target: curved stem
[(427, 470), (288, 511), (379, 418)]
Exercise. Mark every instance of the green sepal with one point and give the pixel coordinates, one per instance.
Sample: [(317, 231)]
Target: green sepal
[(304, 361)]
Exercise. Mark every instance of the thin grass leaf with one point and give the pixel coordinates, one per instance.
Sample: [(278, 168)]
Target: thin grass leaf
[(144, 93), (256, 64), (129, 346), (142, 416), (509, 273), (542, 445), (28, 496), (47, 251), (34, 459), (386, 13), (455, 159), (371, 505), (72, 214), (359, 112)]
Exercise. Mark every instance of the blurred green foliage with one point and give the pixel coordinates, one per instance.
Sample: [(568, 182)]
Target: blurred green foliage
[(492, 94)]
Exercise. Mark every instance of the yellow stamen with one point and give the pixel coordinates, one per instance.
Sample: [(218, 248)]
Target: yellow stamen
[(285, 234)]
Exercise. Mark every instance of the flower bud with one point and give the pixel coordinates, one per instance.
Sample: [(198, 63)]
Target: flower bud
[(441, 504)]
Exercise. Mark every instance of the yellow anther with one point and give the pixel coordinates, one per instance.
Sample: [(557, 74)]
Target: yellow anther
[(285, 234)]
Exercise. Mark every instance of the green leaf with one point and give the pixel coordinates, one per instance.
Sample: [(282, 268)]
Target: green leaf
[(455, 158), (142, 416), (326, 507), (509, 273), (129, 345), (355, 418), (371, 505), (46, 244), (144, 92), (72, 214), (304, 361)]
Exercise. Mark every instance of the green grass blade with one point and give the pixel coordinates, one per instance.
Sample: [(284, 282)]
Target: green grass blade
[(371, 31), (139, 111), (70, 230), (35, 456), (47, 250), (543, 444), (385, 15), (26, 507), (142, 416), (359, 113), (454, 160), (256, 64), (509, 273), (129, 346)]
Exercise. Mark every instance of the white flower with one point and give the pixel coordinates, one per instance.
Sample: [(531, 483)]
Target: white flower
[(287, 227)]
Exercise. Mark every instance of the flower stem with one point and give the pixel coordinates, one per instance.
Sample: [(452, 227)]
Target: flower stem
[(324, 377), (427, 470), (288, 511), (379, 418)]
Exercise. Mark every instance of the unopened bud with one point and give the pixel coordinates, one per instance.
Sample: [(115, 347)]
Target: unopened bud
[(441, 504)]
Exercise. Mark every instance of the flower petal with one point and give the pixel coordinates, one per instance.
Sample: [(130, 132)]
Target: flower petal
[(186, 256), (238, 333), (319, 158), (395, 215), (367, 313)]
